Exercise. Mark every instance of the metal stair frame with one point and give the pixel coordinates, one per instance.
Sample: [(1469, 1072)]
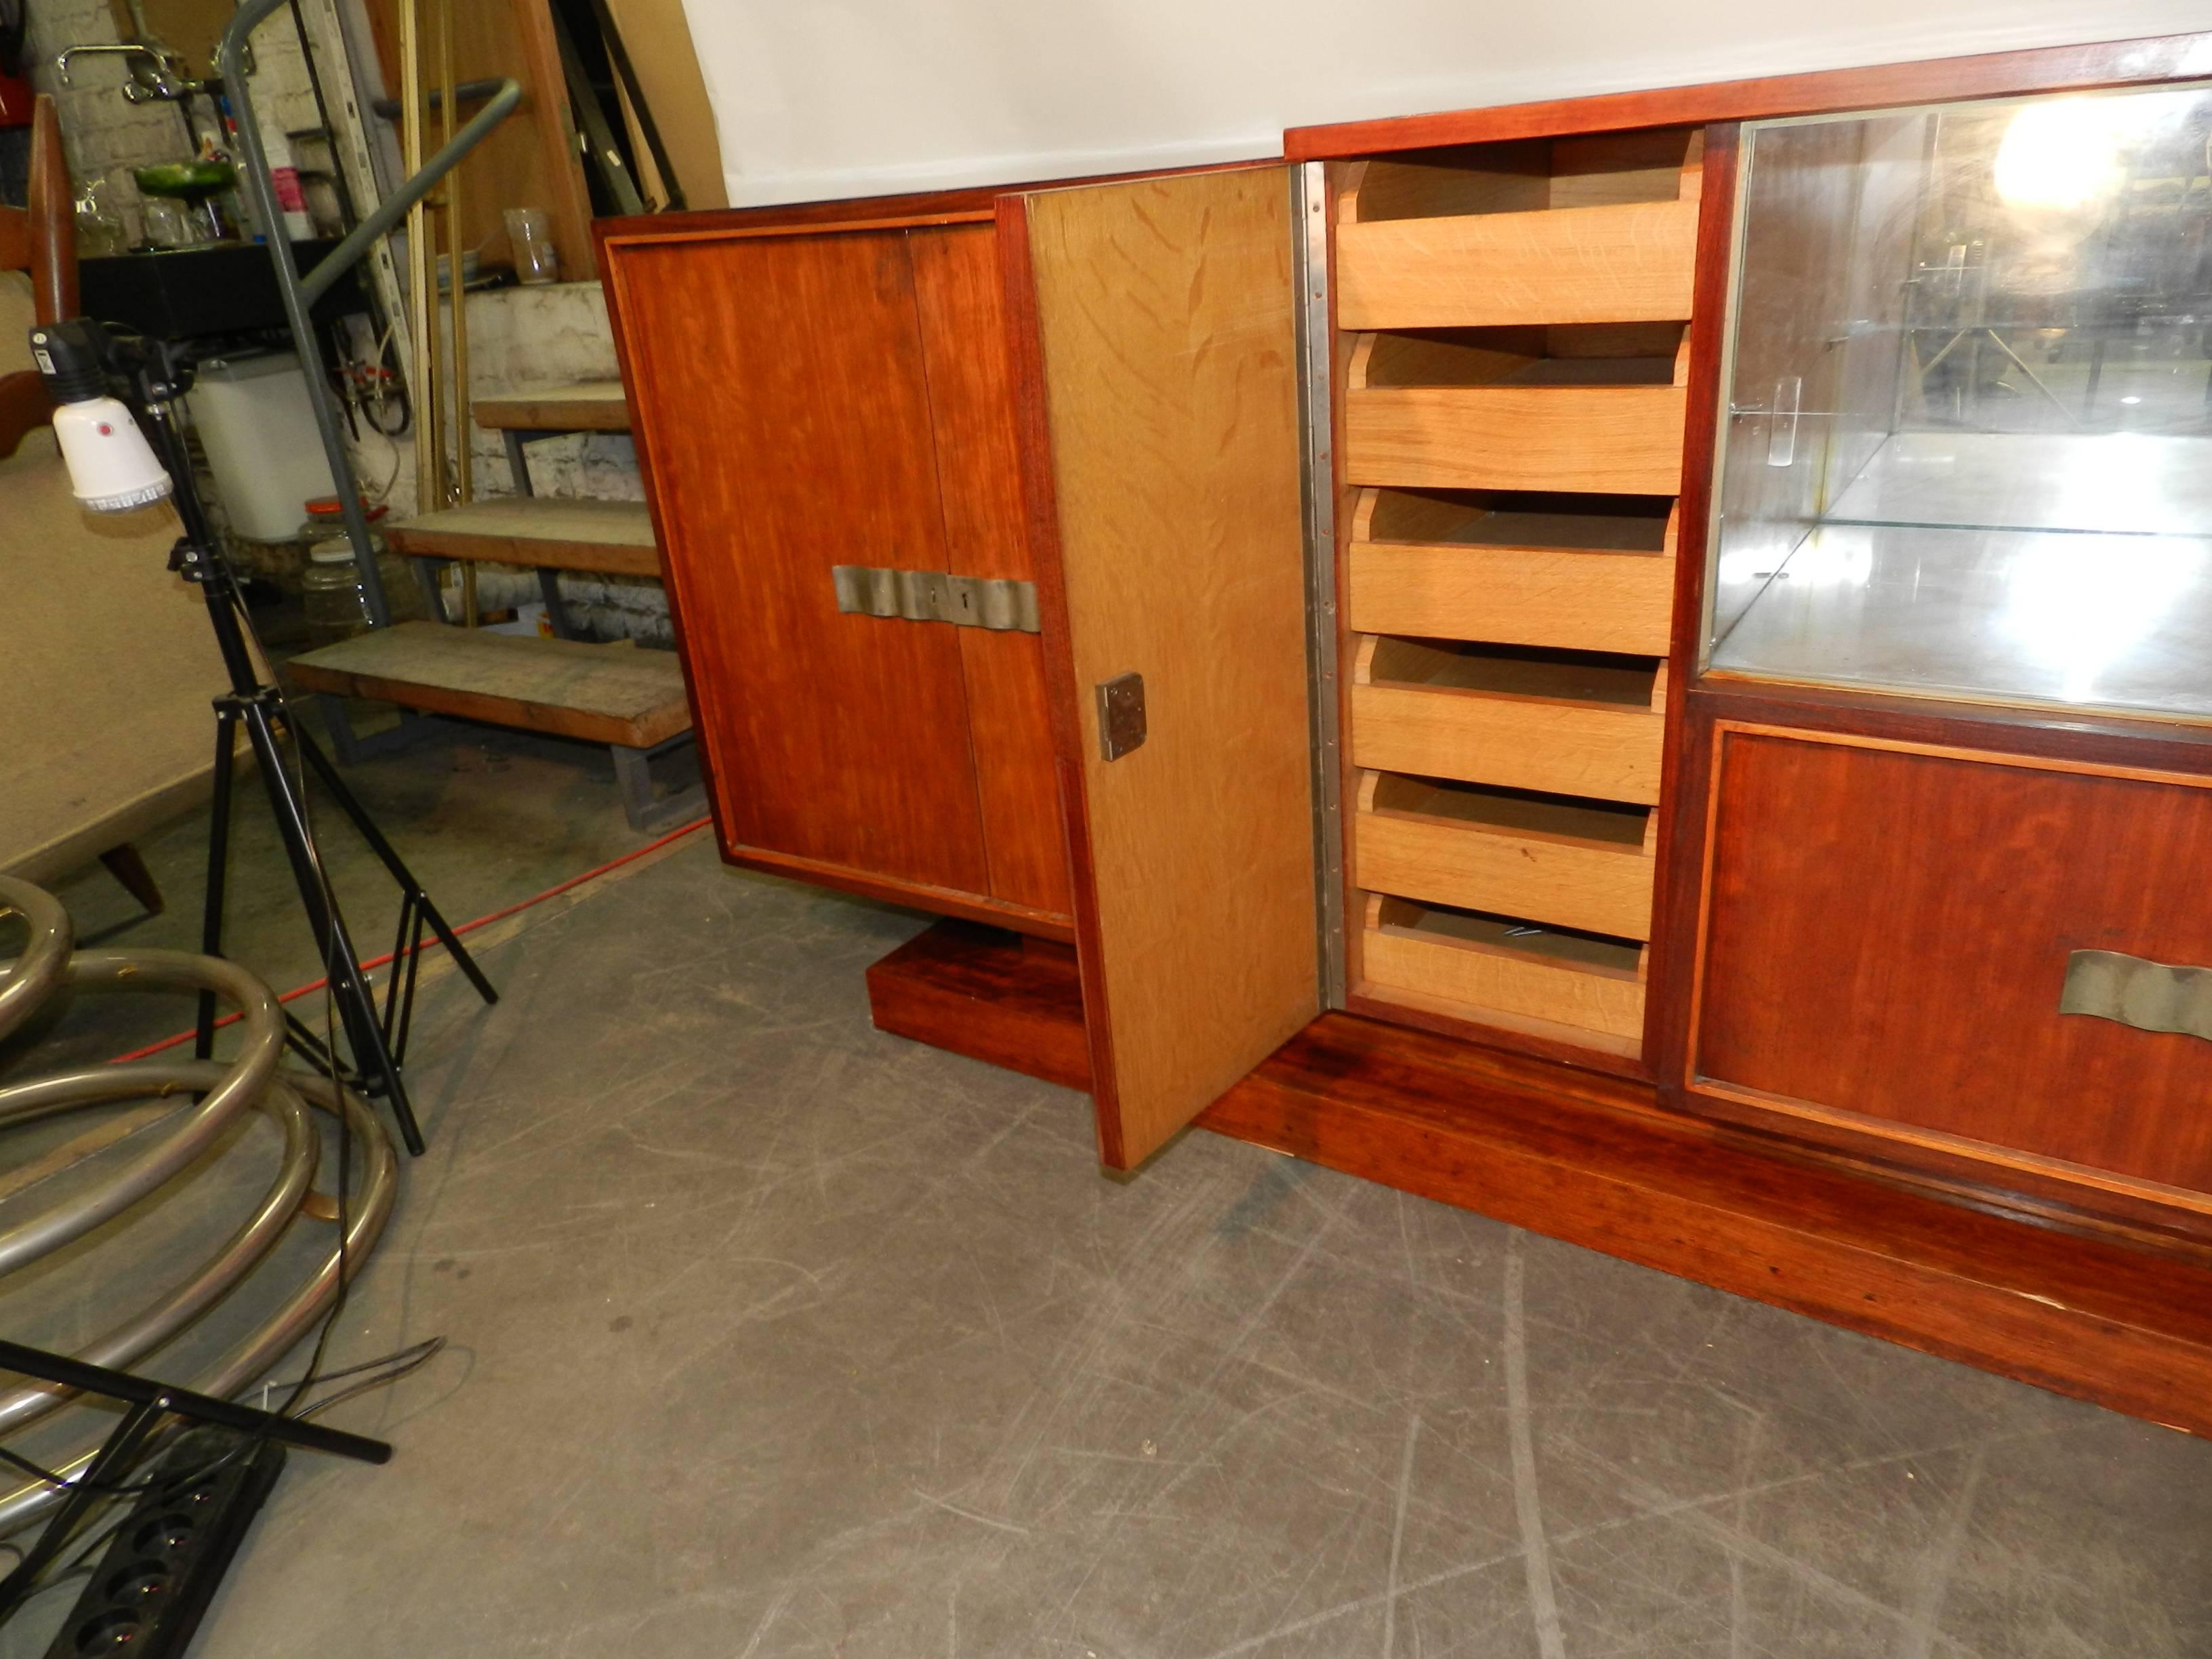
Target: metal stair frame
[(299, 292)]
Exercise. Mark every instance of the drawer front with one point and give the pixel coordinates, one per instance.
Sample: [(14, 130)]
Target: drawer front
[(1548, 878), (1520, 742), (1523, 987), (1888, 933), (1625, 263), (1621, 602), (1617, 439)]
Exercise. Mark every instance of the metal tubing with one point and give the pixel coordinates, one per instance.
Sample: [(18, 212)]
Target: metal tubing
[(44, 960), (390, 211), (380, 1182), (239, 1255), (242, 1081)]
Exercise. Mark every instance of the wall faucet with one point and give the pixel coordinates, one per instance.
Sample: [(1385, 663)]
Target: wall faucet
[(155, 71)]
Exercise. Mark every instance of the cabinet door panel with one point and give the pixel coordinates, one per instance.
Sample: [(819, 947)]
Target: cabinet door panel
[(964, 340), (1162, 374), (788, 431), (1887, 934)]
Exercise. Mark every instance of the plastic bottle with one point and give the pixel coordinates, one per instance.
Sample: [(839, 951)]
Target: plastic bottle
[(298, 225)]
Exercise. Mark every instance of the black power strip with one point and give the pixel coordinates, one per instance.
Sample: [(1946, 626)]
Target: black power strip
[(153, 1580)]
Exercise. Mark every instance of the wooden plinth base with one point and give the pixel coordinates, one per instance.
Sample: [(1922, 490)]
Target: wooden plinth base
[(1596, 1163), (1594, 1160), (989, 994)]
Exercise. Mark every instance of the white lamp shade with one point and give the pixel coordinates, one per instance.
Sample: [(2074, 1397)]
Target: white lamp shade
[(111, 467)]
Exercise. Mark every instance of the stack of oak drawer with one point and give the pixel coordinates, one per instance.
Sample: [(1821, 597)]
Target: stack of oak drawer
[(1516, 317)]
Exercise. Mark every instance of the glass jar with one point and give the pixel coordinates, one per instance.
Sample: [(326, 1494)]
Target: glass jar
[(331, 589)]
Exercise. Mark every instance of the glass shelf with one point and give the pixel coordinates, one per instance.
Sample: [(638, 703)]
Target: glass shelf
[(1968, 446)]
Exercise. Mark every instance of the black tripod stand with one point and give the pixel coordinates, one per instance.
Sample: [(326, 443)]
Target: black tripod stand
[(158, 374)]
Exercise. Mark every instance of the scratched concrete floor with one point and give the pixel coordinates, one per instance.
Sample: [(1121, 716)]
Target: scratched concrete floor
[(773, 1336)]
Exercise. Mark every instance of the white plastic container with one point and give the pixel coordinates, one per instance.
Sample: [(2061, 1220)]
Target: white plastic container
[(258, 429)]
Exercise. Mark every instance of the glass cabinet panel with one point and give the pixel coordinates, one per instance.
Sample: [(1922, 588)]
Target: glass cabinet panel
[(1967, 450)]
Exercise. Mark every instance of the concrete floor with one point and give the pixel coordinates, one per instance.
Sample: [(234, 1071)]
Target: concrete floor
[(773, 1336)]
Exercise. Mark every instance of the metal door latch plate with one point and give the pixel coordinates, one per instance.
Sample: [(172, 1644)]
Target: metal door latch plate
[(1121, 714)]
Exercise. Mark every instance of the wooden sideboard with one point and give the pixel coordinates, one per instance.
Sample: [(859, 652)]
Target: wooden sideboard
[(1446, 857)]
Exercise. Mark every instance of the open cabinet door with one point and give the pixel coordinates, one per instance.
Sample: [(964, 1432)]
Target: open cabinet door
[(1154, 336)]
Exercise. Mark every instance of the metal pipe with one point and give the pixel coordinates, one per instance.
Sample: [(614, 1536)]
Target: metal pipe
[(421, 266), (225, 1089), (456, 254), (243, 1080), (239, 1255), (44, 959)]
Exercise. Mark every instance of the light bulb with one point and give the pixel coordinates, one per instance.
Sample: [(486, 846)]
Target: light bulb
[(111, 467)]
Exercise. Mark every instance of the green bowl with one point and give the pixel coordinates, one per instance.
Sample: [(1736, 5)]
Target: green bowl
[(189, 180)]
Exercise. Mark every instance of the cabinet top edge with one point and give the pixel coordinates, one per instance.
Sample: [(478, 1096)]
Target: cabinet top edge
[(1927, 80)]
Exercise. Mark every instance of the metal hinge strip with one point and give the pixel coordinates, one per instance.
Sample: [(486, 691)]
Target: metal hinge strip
[(997, 603)]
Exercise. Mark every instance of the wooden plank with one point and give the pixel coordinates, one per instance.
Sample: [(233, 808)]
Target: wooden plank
[(580, 406), (1563, 727), (658, 39), (1521, 742), (1609, 439), (990, 995), (1598, 264), (1471, 965), (1164, 438), (1542, 860), (1592, 1162), (1584, 601), (613, 537), (599, 693), (1941, 80), (835, 741), (971, 406)]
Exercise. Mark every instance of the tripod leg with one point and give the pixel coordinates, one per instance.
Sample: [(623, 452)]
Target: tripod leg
[(383, 849), (356, 1005), (226, 741)]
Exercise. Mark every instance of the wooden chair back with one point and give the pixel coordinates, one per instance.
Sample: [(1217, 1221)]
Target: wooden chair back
[(40, 239)]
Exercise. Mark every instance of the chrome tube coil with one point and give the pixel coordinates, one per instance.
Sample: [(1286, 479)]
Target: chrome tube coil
[(224, 1091)]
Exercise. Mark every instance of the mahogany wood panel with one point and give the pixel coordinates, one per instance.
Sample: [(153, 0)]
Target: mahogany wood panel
[(939, 901), (1672, 960), (971, 400), (1886, 934), (1592, 1161), (1988, 74), (783, 417), (987, 994), (1160, 349)]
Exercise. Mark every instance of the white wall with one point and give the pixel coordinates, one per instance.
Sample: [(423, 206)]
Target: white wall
[(832, 98)]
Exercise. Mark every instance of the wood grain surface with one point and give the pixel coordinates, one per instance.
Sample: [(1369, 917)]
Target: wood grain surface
[(784, 421), (550, 531), (971, 401), (989, 995), (1941, 80), (1163, 351), (1938, 1003), (599, 693), (1591, 1160), (1627, 263), (1622, 439)]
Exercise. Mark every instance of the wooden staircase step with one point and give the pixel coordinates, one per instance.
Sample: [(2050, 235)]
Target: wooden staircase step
[(600, 693), (582, 406), (542, 530)]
